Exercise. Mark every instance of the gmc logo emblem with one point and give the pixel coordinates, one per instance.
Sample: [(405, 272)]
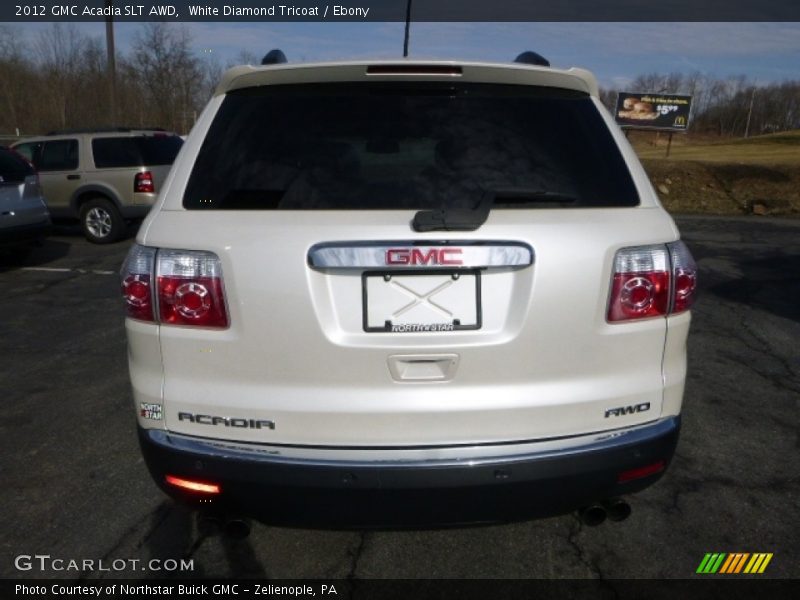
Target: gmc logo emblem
[(431, 256)]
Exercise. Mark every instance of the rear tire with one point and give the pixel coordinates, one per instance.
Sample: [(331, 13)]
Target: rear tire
[(101, 221)]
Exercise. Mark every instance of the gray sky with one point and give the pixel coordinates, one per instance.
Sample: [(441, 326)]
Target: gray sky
[(615, 52)]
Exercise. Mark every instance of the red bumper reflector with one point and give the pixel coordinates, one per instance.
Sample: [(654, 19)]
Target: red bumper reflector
[(194, 486), (632, 474)]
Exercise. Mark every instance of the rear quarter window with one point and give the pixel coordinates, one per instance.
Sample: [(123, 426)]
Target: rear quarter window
[(57, 155), (400, 145)]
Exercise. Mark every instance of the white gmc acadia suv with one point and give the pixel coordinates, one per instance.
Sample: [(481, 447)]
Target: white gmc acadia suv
[(407, 293)]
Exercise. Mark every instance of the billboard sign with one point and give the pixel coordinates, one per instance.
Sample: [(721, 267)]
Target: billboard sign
[(667, 112)]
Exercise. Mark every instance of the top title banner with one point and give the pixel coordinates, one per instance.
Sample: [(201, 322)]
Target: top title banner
[(395, 10)]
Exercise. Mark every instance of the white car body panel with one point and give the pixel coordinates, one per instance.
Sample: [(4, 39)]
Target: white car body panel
[(546, 362)]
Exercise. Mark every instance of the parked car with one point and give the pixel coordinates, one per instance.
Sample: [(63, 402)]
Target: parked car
[(102, 177), (404, 293), (23, 215)]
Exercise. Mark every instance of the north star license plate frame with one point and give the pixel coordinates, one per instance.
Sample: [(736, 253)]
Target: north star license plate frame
[(388, 326)]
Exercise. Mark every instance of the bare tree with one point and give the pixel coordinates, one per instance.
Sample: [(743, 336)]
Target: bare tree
[(212, 72), (14, 74), (244, 57), (608, 98), (60, 52), (722, 106), (168, 75), (59, 81)]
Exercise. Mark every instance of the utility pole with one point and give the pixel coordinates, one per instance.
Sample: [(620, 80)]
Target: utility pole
[(408, 26), (750, 112), (111, 66)]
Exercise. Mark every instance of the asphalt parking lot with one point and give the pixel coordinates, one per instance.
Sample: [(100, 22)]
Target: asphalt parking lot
[(76, 488)]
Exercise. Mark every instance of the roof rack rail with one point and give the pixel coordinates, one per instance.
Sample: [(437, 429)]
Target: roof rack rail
[(529, 57), (274, 57), (102, 130)]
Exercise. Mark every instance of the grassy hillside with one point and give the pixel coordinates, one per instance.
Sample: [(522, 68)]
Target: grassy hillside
[(776, 148), (758, 175)]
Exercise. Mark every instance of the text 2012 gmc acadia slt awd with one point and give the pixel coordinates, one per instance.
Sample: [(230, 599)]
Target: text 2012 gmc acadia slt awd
[(407, 293)]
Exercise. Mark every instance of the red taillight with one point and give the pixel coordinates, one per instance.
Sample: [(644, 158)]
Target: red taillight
[(193, 486), (639, 295), (651, 281), (143, 183), (684, 273), (640, 284), (137, 278), (640, 472), (189, 289), (138, 296), (191, 301)]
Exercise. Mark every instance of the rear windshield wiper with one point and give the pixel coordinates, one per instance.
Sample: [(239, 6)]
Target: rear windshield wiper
[(471, 219), (517, 196)]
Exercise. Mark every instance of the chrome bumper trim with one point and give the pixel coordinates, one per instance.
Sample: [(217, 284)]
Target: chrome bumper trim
[(468, 456)]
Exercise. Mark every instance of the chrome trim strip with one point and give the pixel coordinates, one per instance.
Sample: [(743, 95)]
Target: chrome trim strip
[(406, 458), (426, 254)]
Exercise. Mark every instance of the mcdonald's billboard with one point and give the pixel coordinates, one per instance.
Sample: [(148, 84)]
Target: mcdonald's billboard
[(668, 112)]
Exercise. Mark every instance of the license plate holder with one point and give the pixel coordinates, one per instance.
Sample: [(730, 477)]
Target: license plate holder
[(418, 301)]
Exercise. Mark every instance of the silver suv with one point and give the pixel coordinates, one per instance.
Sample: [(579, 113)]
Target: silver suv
[(102, 177), (23, 214), (403, 293)]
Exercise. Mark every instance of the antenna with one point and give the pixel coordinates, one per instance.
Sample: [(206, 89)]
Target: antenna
[(408, 25)]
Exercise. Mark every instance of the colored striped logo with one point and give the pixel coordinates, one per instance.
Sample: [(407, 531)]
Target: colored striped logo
[(734, 563)]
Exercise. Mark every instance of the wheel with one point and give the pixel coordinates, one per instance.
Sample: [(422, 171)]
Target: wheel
[(101, 221)]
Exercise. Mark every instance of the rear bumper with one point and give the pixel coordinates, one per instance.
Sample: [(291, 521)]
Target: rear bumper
[(261, 482)]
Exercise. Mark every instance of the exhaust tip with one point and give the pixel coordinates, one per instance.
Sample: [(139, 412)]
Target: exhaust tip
[(592, 515), (237, 529), (617, 509)]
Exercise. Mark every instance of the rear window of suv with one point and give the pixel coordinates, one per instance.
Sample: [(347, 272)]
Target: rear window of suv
[(414, 146), (138, 151)]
